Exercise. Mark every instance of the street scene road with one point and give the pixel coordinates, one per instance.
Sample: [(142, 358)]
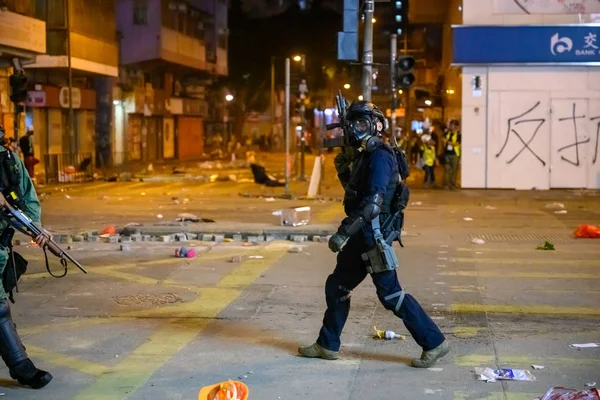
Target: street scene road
[(146, 325)]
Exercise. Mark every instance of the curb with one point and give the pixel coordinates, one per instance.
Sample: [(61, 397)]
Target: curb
[(169, 234)]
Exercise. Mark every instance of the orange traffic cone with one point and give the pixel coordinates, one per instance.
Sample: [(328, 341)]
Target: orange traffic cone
[(230, 390)]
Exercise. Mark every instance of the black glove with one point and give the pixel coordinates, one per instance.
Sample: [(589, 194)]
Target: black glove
[(336, 242)]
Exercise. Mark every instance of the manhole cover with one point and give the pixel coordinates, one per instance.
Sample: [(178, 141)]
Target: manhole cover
[(523, 237), (147, 299)]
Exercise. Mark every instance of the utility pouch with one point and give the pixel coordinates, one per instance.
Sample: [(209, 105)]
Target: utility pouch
[(380, 258), (15, 267)]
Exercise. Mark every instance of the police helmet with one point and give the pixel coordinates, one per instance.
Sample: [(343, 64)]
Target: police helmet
[(361, 121)]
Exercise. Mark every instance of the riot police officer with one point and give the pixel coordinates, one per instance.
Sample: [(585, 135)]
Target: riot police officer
[(20, 367), (363, 241)]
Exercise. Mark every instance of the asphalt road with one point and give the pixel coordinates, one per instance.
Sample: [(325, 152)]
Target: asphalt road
[(145, 325)]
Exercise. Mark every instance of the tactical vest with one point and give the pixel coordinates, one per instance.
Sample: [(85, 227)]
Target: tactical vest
[(10, 177)]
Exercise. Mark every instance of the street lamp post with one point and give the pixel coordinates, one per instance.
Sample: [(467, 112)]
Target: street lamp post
[(302, 59)]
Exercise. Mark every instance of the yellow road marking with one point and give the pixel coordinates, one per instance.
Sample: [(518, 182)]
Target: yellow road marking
[(523, 262), (532, 275), (529, 249), (34, 330), (123, 379), (77, 364), (521, 309), (466, 331), (481, 289), (476, 360), (497, 396)]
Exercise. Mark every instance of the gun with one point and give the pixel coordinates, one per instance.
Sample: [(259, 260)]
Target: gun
[(342, 105), (24, 224)]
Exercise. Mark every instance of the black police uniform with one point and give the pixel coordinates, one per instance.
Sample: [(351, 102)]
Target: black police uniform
[(380, 172), (376, 181)]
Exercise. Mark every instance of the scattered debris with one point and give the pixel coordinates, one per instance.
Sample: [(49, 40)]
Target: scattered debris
[(547, 246), (159, 216), (256, 257), (468, 219), (242, 376), (490, 375), (435, 369), (262, 178), (560, 212), (295, 216), (416, 203), (432, 391), (585, 345), (185, 252), (537, 366), (555, 205), (490, 208), (561, 393), (236, 259), (295, 249), (590, 384), (270, 199), (587, 231), (477, 241), (389, 335)]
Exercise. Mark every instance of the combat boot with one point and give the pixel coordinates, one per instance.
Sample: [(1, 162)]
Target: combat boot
[(430, 357), (13, 353), (316, 351)]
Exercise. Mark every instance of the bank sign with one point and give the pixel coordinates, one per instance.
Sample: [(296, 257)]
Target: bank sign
[(559, 44)]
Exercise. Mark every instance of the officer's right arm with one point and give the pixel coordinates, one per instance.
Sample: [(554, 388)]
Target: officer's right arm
[(31, 203)]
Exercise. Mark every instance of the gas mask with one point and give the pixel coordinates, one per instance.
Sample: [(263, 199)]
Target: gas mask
[(364, 132)]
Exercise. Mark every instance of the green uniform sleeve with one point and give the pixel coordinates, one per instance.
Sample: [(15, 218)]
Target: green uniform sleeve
[(29, 197)]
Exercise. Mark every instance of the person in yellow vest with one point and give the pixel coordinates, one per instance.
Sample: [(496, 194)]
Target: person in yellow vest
[(451, 154), (429, 158)]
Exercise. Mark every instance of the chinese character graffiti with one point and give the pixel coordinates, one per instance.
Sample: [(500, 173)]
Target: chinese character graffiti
[(513, 127), (577, 142), (597, 137)]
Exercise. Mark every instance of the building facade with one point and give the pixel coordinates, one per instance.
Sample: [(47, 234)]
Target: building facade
[(530, 94), (23, 36), (82, 59), (171, 52)]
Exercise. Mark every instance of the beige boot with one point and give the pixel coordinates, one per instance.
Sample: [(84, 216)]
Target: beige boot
[(316, 351), (429, 358)]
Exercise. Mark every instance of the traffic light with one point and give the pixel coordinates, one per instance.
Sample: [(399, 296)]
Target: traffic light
[(18, 88), (404, 75), (400, 16)]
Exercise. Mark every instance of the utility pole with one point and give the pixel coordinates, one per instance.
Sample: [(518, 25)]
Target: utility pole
[(273, 104), (302, 94), (287, 126), (393, 45), (367, 59), (70, 83), (406, 93)]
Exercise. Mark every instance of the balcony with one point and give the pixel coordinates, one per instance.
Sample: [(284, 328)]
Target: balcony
[(183, 50), (88, 55), (21, 36)]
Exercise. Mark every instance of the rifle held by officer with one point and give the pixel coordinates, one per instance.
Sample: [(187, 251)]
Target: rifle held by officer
[(24, 224), (342, 105)]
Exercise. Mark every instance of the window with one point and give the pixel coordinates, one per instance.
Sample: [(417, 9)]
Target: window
[(140, 12)]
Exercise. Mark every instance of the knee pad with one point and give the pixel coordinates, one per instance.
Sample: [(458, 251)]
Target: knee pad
[(334, 292), (393, 301)]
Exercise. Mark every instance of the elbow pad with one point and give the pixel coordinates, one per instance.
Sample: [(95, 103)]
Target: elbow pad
[(372, 209)]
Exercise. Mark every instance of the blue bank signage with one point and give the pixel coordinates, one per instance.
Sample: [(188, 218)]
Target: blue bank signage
[(560, 44)]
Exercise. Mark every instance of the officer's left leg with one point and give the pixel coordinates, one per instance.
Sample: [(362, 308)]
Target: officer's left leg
[(11, 348), (425, 332)]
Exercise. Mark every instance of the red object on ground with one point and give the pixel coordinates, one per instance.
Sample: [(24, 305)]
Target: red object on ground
[(109, 230), (587, 231), (559, 393)]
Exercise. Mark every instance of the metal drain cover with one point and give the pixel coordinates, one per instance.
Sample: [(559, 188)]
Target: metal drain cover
[(147, 299)]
